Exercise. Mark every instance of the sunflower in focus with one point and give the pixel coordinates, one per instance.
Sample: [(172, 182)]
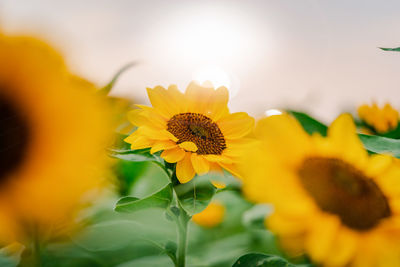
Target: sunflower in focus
[(382, 120), (332, 200), (194, 129), (53, 132)]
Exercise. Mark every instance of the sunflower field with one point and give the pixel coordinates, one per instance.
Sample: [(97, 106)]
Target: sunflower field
[(91, 179)]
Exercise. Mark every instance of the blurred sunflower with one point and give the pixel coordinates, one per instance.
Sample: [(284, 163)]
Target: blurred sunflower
[(332, 200), (211, 216), (194, 129), (382, 119), (53, 132)]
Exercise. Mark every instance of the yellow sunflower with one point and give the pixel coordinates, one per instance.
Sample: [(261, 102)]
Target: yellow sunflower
[(211, 216), (381, 119), (194, 129), (332, 200), (53, 132)]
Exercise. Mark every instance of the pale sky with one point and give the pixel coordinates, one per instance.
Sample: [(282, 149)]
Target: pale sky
[(319, 56)]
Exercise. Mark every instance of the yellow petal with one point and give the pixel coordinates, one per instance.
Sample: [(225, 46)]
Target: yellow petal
[(219, 107), (136, 118), (343, 135), (218, 184), (156, 134), (200, 165), (218, 158), (377, 164), (138, 142), (188, 146), (207, 101), (236, 125), (168, 102), (173, 155), (162, 145), (283, 136), (184, 169), (345, 245), (320, 239), (211, 216), (232, 168)]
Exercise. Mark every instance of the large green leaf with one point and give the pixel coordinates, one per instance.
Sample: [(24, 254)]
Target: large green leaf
[(397, 49), (195, 195), (381, 145), (309, 124), (263, 260), (160, 199)]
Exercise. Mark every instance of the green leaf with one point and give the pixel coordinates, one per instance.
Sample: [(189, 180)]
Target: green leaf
[(134, 155), (170, 250), (160, 199), (106, 89), (397, 49), (195, 195), (263, 260), (309, 124), (128, 172), (381, 145)]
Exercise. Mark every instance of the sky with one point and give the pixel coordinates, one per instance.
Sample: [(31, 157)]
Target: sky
[(316, 56)]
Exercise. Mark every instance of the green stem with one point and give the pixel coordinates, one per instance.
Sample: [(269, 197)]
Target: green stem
[(182, 224), (37, 252), (181, 219), (31, 257)]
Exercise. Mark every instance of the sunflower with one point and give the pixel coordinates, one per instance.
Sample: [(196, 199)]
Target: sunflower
[(211, 216), (382, 119), (53, 132), (332, 200), (194, 129)]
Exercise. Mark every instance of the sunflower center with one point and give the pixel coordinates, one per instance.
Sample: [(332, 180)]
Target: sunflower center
[(13, 138), (199, 129), (339, 188)]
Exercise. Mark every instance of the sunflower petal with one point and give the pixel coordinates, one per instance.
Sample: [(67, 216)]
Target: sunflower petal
[(278, 132), (342, 132), (236, 125), (232, 168), (200, 165), (320, 240), (184, 169), (188, 146), (168, 102), (162, 145), (138, 142), (173, 155), (136, 118), (207, 101)]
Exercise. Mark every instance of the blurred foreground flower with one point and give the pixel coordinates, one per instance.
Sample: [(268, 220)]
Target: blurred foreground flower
[(381, 120), (212, 216), (194, 129), (329, 194), (53, 135)]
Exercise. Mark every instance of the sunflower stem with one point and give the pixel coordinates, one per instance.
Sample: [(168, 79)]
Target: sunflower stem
[(37, 251), (32, 255), (181, 219), (182, 224)]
